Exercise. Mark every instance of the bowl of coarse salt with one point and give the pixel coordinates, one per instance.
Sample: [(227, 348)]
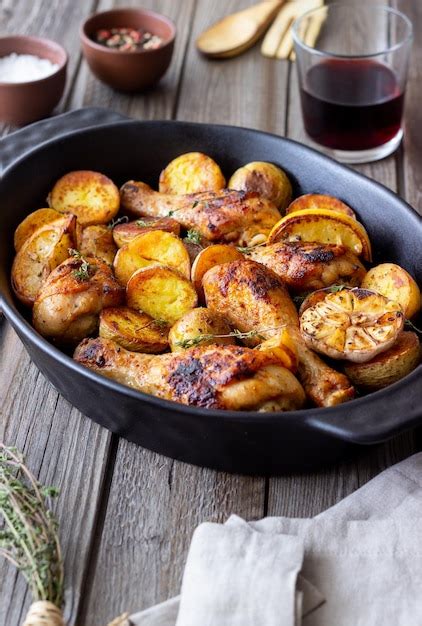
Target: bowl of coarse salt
[(32, 78)]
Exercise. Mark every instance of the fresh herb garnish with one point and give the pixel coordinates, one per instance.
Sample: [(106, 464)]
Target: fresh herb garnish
[(85, 269), (198, 339), (411, 325), (142, 223), (119, 220), (336, 288), (29, 536), (193, 236)]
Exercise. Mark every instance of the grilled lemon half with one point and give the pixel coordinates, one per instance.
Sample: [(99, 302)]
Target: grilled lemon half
[(352, 324), (323, 226)]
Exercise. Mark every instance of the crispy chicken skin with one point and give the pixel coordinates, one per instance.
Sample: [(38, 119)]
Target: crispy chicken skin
[(252, 297), (216, 376), (67, 306), (308, 266), (226, 215)]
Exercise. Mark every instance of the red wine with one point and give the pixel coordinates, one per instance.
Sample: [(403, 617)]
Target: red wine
[(351, 105)]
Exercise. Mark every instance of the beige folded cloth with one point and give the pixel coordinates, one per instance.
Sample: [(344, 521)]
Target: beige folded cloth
[(363, 555)]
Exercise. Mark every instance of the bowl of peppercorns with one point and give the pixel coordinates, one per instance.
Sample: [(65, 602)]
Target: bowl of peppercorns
[(128, 49)]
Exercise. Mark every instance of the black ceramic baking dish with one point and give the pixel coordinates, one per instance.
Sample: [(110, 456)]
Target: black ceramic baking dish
[(246, 442)]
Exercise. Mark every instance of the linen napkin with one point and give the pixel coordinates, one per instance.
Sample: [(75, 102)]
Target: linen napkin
[(363, 554)]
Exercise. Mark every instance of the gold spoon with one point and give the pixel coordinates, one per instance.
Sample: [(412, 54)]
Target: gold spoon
[(237, 32)]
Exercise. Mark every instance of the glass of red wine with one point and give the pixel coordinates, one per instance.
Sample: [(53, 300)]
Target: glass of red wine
[(352, 65)]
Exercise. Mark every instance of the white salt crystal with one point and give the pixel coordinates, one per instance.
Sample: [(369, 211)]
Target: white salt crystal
[(22, 68)]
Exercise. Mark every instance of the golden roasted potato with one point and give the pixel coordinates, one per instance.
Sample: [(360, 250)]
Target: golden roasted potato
[(69, 302), (210, 256), (39, 255), (393, 282), (190, 173), (283, 348), (388, 367), (155, 246), (33, 222), (91, 196), (97, 240), (268, 180), (323, 226), (352, 324), (319, 201), (123, 233), (193, 328), (133, 330), (162, 292)]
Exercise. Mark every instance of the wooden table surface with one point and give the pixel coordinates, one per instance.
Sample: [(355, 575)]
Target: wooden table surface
[(127, 514)]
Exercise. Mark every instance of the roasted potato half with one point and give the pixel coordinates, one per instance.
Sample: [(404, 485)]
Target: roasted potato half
[(155, 246), (33, 222), (39, 255), (91, 196), (388, 367), (123, 233), (393, 282), (319, 201), (190, 173), (268, 180), (323, 226), (194, 328), (210, 256), (97, 240), (133, 330), (161, 292)]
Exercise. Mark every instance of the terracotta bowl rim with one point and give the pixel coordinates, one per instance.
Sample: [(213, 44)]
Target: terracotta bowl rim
[(32, 39), (96, 46)]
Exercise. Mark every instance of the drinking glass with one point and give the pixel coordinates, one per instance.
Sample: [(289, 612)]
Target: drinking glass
[(352, 79)]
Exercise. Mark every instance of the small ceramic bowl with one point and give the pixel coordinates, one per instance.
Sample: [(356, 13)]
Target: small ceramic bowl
[(128, 71), (22, 103)]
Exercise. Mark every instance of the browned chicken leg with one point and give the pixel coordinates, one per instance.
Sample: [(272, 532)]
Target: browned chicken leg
[(216, 376), (68, 304), (308, 266), (226, 215), (252, 297)]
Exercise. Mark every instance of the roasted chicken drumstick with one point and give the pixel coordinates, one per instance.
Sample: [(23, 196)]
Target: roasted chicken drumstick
[(252, 297), (226, 215), (309, 266), (216, 376)]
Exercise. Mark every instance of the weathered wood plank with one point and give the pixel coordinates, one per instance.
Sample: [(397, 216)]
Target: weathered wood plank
[(410, 175), (63, 448)]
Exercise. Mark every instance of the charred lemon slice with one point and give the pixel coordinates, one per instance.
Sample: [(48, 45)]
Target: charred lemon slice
[(352, 324), (323, 226), (319, 201)]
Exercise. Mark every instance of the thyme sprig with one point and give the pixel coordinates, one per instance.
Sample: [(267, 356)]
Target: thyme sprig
[(193, 236), (248, 249), (85, 269), (204, 203), (411, 325), (199, 339), (29, 538), (119, 220)]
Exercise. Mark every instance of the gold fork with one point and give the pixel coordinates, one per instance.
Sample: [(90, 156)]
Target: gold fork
[(278, 42)]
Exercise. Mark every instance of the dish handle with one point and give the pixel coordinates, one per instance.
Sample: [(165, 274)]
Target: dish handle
[(384, 414)]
